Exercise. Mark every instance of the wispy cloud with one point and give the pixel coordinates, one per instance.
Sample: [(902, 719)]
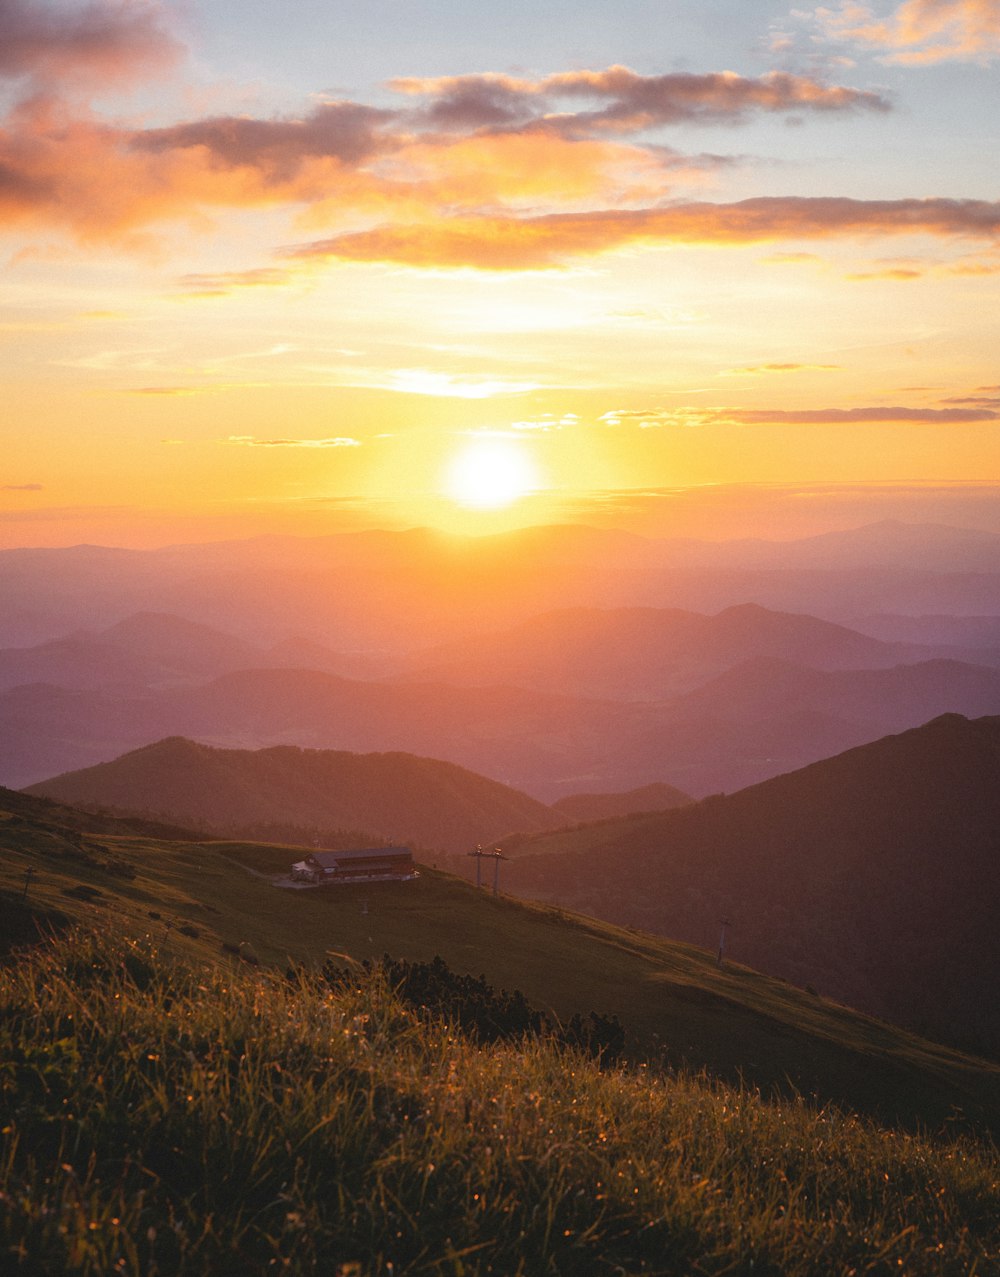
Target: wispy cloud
[(919, 32), (547, 421), (168, 390), (22, 487), (874, 414), (521, 243), (429, 381), (877, 413), (756, 370), (225, 282), (901, 273), (979, 401), (251, 441)]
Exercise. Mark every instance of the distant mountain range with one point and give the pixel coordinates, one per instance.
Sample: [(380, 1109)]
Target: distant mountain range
[(757, 712), (652, 653), (873, 876), (706, 666), (396, 592), (241, 793), (157, 650)]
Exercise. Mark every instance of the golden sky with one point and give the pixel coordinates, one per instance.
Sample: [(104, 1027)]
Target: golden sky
[(317, 266)]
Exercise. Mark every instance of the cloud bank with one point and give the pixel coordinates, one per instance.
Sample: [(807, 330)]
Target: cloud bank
[(478, 145)]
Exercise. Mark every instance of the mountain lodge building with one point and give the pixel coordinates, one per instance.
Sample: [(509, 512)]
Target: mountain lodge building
[(363, 864)]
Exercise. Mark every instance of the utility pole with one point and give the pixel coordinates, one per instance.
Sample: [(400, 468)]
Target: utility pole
[(497, 855), (478, 853), (724, 923)]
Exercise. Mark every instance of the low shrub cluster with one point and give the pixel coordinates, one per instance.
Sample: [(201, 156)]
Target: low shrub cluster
[(472, 1005), (226, 1122)]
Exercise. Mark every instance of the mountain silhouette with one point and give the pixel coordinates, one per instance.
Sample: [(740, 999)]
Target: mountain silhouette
[(873, 876), (650, 653), (587, 807), (398, 796)]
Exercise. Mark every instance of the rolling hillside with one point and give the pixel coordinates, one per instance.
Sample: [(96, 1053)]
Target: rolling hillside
[(872, 876), (397, 796), (192, 898)]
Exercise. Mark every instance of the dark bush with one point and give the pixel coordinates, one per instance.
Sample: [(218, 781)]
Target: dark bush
[(478, 1010)]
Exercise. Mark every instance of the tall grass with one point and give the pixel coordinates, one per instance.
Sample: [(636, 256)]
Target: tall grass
[(160, 1119)]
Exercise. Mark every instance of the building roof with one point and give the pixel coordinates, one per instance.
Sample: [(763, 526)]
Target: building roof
[(331, 859)]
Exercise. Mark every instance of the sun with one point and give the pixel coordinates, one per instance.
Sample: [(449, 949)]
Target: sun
[(491, 473)]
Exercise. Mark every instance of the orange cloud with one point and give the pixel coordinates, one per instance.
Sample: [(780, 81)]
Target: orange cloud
[(250, 441), (755, 369), (168, 390), (471, 144), (225, 282), (511, 243), (921, 31), (902, 273)]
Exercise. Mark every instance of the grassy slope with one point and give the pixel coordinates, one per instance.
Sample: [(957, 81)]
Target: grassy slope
[(224, 1124), (673, 998)]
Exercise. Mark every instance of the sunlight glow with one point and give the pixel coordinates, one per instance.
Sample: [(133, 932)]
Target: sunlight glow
[(490, 473)]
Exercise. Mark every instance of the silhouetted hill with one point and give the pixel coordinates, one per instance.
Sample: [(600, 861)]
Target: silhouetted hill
[(650, 653), (968, 633), (157, 650), (655, 797), (397, 796), (874, 876), (37, 812), (889, 543), (145, 649), (517, 736), (81, 662), (179, 645), (883, 700), (766, 717)]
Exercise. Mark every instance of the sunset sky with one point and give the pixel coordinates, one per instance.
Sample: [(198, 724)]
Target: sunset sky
[(715, 268)]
